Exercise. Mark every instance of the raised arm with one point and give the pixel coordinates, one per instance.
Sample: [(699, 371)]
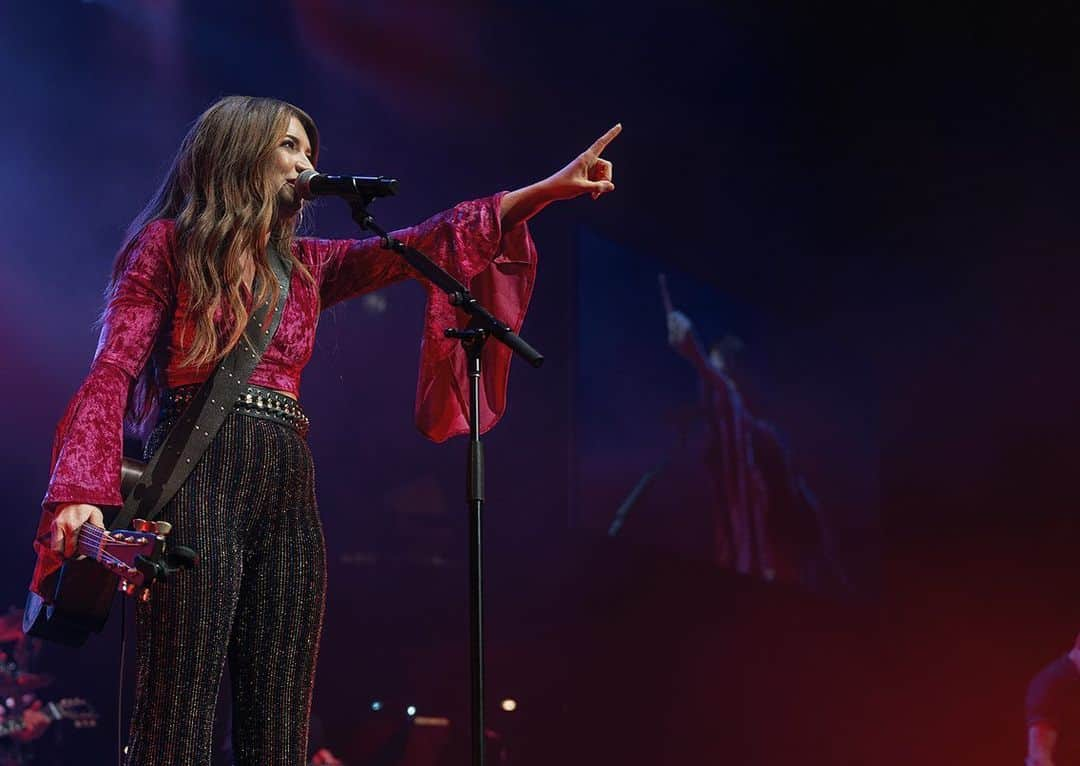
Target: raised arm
[(465, 239), (684, 340), (720, 388), (587, 173)]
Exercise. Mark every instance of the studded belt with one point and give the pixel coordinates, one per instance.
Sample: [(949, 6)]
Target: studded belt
[(254, 401)]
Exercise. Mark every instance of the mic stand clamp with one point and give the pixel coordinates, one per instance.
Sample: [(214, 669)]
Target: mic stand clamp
[(482, 325)]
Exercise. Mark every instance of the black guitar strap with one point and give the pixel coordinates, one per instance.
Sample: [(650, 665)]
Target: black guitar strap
[(195, 429)]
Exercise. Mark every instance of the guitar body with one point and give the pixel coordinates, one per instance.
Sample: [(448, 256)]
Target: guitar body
[(110, 560), (80, 605)]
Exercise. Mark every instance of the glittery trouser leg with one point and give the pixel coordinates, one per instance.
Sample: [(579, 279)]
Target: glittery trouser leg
[(256, 599)]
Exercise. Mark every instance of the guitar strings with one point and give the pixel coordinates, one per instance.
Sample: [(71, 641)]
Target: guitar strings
[(94, 535)]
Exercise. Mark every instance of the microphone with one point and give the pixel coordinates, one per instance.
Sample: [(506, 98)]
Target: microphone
[(311, 184)]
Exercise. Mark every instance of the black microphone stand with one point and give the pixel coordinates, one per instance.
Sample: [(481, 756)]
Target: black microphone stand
[(482, 325)]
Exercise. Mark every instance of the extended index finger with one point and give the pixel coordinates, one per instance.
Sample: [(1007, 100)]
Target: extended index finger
[(600, 143)]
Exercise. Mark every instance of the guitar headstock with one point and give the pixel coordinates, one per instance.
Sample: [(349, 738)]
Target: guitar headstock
[(76, 710), (137, 556)]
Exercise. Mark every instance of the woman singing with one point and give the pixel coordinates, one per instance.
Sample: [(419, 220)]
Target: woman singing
[(180, 296)]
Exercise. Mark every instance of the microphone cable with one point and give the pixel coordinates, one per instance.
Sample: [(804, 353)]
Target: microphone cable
[(120, 684)]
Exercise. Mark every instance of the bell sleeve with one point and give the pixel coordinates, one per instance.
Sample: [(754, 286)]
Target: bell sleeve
[(88, 443), (499, 269)]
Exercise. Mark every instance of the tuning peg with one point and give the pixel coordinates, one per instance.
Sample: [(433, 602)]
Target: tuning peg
[(162, 527), (140, 525)]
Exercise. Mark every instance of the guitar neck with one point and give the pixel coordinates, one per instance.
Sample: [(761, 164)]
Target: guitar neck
[(114, 550), (89, 541)]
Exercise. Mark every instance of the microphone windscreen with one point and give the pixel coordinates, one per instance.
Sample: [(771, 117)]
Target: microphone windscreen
[(303, 183)]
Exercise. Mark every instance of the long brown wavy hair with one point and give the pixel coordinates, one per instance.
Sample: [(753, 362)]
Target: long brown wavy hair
[(223, 202)]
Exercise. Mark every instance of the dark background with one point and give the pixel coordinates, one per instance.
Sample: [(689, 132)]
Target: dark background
[(899, 181)]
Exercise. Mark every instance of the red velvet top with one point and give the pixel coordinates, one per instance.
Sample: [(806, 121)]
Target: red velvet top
[(499, 268)]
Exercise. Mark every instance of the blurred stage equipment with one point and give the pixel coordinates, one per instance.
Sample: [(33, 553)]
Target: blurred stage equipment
[(11, 626), (14, 682), (396, 734), (78, 711), (24, 718)]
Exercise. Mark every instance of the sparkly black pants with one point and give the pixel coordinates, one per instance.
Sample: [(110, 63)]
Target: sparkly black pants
[(255, 600)]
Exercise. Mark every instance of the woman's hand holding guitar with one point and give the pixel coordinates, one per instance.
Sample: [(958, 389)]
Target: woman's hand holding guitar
[(66, 523)]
